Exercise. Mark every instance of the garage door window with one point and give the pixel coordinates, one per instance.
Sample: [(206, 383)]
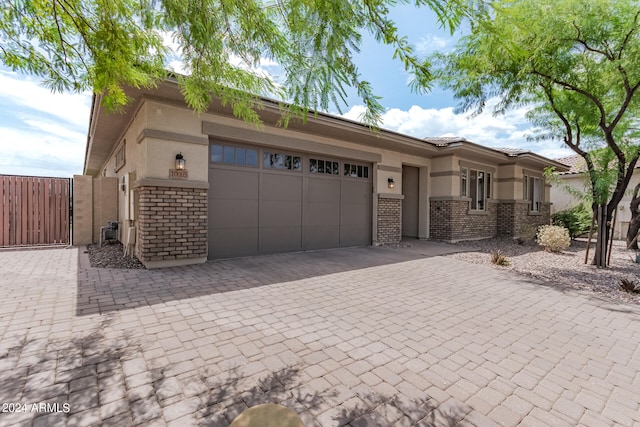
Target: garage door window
[(231, 155), (356, 171), (326, 167), (282, 161)]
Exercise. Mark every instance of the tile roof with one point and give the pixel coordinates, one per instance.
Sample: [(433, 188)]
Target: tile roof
[(576, 164), (443, 141), (511, 151)]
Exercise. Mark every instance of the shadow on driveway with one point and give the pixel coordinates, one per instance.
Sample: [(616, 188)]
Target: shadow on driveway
[(107, 290)]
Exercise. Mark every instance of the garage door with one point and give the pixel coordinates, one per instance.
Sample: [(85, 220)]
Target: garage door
[(267, 201)]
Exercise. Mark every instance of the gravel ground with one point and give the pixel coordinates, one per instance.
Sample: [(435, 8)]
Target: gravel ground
[(566, 269), (111, 255)]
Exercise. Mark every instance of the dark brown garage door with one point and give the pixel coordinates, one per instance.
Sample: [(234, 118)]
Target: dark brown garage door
[(268, 200)]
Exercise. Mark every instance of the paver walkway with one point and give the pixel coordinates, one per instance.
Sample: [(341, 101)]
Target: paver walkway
[(362, 336)]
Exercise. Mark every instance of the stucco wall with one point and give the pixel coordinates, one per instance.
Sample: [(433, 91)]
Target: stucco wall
[(82, 210), (562, 198), (94, 204)]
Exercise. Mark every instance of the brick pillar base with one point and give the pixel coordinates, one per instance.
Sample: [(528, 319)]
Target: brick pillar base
[(389, 219), (172, 226)]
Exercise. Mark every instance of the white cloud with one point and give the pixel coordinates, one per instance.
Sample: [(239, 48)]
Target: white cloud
[(72, 108), (34, 152), (508, 131), (41, 133), (430, 43)]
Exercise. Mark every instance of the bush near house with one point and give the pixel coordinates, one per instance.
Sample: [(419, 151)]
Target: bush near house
[(577, 220), (554, 238)]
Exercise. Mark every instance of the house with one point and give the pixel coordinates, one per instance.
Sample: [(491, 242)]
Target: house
[(326, 183), (573, 181)]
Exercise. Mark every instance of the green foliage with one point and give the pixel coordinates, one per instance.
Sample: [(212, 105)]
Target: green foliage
[(104, 45), (553, 238), (577, 72), (498, 258), (577, 220)]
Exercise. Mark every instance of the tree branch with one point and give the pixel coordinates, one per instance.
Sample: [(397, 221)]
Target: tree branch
[(608, 55), (576, 89)]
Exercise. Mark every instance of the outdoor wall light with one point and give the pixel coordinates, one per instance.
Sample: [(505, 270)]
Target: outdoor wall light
[(391, 183), (180, 162)]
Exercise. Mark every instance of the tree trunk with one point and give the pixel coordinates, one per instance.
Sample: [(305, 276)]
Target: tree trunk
[(634, 224), (602, 240)]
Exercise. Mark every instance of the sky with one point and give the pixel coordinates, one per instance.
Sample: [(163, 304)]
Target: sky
[(44, 133)]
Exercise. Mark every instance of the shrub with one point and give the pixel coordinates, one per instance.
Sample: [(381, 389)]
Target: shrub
[(553, 238), (577, 220), (498, 258)]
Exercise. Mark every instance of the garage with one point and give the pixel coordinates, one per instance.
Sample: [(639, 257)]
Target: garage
[(264, 200)]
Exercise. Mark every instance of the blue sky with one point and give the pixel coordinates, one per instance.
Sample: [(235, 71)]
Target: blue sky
[(42, 133)]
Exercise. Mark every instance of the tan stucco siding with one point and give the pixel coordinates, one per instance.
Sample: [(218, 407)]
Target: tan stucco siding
[(562, 198)]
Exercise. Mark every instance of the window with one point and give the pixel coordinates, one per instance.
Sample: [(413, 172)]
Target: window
[(281, 161), (356, 171), (327, 167), (120, 156), (475, 184), (464, 178), (533, 192), (231, 155)]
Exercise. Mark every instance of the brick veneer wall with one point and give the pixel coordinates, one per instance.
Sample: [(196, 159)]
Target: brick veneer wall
[(389, 220), (515, 220), (452, 221), (172, 223)]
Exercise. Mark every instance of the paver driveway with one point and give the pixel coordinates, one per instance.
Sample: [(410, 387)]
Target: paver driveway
[(366, 336)]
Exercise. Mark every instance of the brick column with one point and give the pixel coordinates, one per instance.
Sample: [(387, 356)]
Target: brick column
[(172, 225), (389, 217)]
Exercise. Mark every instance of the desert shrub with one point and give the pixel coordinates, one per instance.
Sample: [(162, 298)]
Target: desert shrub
[(554, 238), (498, 258), (577, 220), (527, 235)]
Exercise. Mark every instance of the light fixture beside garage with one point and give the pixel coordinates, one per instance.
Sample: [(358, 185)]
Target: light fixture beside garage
[(391, 183), (180, 172), (180, 162)]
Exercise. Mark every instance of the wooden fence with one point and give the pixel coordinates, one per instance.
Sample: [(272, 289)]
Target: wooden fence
[(34, 210)]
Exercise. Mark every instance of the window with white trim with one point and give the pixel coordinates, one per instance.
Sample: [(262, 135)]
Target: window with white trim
[(475, 184), (532, 192), (464, 178)]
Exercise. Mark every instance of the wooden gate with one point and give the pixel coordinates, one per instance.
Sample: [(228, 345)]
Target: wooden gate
[(34, 210)]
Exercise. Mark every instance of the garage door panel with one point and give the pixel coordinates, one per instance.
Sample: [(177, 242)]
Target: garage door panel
[(325, 214), (234, 213), (324, 191), (322, 237), (355, 235), (280, 239), (230, 184), (267, 210), (276, 213), (233, 242), (356, 192), (281, 187)]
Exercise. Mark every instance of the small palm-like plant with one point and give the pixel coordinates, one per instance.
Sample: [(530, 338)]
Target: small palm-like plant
[(628, 286), (498, 258)]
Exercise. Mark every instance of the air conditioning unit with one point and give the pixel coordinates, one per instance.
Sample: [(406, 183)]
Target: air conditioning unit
[(109, 233)]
